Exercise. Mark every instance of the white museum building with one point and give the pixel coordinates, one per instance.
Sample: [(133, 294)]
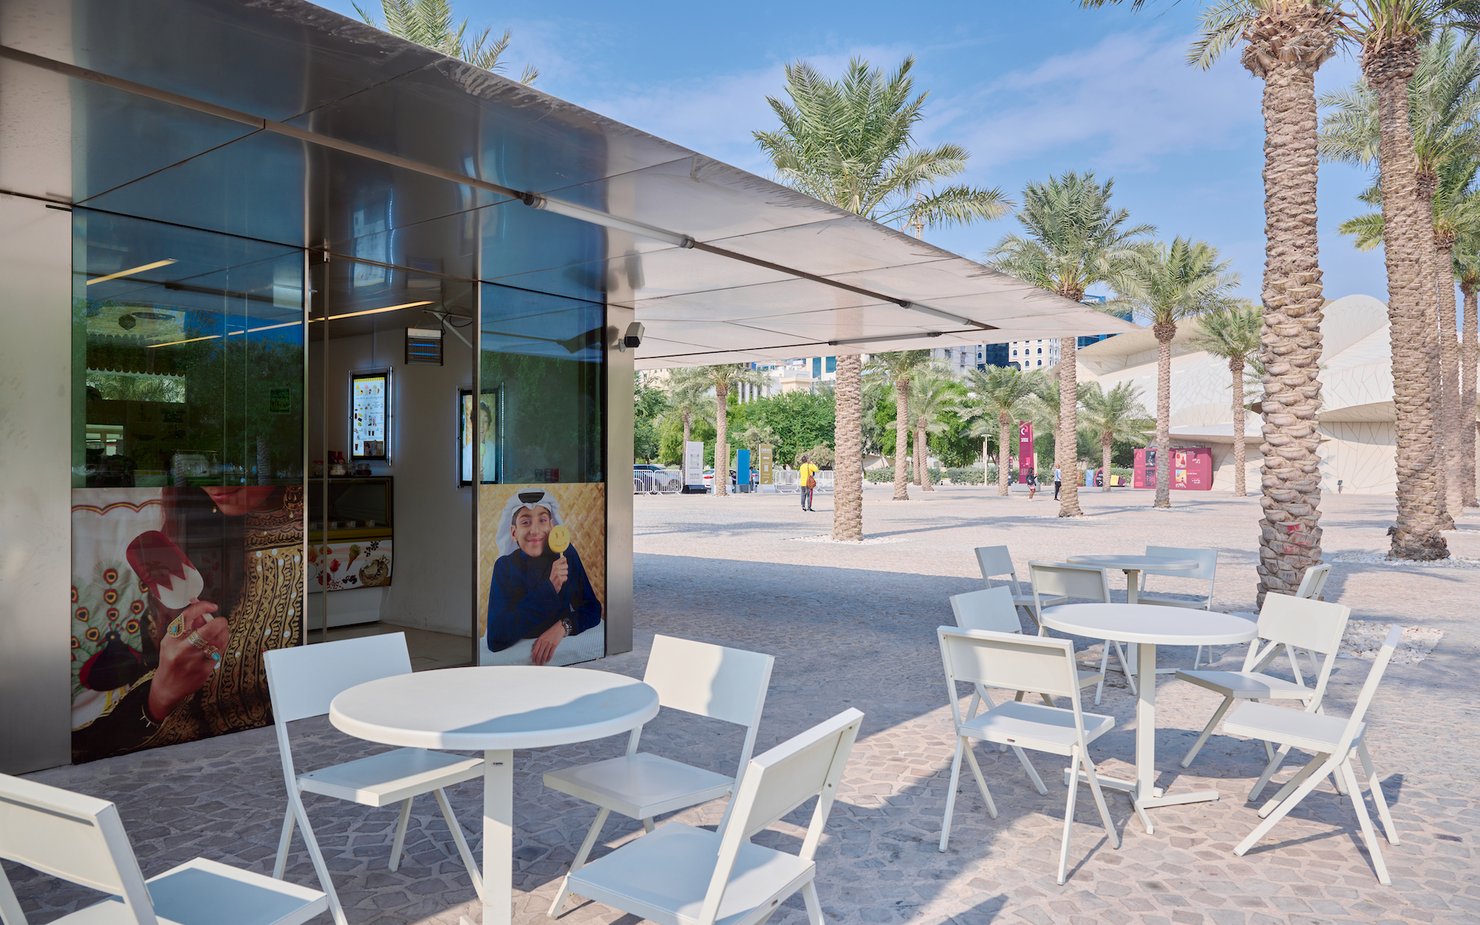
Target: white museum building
[(1357, 419)]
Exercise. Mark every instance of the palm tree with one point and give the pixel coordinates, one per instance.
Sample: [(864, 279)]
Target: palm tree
[(1167, 284), (1232, 333), (429, 23), (722, 378), (850, 143), (1111, 417), (1390, 33), (898, 368), (1443, 105), (688, 397), (1002, 398), (935, 392), (1467, 272), (1072, 240), (1285, 42)]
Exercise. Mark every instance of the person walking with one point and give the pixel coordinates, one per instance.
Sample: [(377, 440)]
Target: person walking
[(807, 478), (1032, 484), (1058, 481)]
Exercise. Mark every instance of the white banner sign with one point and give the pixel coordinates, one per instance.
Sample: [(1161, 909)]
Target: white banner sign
[(693, 464)]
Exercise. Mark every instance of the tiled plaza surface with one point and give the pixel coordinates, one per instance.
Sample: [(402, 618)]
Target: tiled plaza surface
[(855, 626)]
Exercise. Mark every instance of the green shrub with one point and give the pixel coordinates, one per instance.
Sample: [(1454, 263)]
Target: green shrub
[(971, 475), (879, 476)]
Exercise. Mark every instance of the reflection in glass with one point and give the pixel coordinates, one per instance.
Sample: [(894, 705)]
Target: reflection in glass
[(187, 505), (543, 354)]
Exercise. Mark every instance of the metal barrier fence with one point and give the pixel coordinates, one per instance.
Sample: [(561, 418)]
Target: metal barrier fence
[(656, 483), (789, 481)]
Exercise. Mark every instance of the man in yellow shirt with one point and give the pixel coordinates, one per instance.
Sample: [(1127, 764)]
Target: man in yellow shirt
[(807, 473)]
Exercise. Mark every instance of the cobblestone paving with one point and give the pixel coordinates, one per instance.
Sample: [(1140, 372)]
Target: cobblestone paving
[(854, 626)]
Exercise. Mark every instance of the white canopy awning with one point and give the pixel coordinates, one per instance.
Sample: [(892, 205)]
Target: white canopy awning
[(281, 121)]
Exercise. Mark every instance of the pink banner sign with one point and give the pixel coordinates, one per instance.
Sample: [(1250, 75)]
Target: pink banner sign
[(1025, 450)]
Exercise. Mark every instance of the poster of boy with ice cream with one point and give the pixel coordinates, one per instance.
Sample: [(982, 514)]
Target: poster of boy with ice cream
[(542, 607)]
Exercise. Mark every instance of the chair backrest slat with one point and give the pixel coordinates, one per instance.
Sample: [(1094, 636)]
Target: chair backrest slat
[(1303, 622), (1313, 582), (302, 681), (783, 778), (995, 562), (987, 609), (1009, 660), (1078, 582), (73, 837), (1369, 687), (1207, 561), (777, 782), (709, 680)]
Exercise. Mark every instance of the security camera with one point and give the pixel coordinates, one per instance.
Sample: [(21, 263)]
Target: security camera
[(633, 338)]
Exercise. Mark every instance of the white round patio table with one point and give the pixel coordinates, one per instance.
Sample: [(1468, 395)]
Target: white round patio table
[(495, 710), (1147, 626), (1134, 565)]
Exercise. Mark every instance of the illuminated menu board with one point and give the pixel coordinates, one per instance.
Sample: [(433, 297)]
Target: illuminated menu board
[(369, 395)]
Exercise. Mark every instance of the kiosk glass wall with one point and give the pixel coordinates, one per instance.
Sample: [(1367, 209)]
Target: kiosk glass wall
[(542, 529), (187, 475)]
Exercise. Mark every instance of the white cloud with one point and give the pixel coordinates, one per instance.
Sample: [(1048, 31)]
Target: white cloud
[(716, 115), (1129, 100)]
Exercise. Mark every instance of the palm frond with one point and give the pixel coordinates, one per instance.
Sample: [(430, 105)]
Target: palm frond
[(1223, 24)]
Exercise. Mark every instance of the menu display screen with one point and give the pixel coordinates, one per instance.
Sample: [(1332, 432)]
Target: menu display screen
[(369, 397)]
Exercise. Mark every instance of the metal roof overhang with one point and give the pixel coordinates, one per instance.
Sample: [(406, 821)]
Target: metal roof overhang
[(280, 121)]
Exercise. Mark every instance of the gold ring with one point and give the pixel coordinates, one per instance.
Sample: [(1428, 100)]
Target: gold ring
[(195, 639), (177, 626)]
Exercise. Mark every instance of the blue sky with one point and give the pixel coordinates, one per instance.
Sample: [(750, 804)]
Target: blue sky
[(1030, 87)]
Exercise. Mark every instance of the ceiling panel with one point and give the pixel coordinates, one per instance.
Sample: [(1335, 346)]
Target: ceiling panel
[(275, 58)]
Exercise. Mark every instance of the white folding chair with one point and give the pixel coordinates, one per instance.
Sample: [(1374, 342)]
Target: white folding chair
[(80, 839), (1333, 742), (1012, 661), (1284, 623), (699, 678), (681, 875), (1313, 582), (994, 609), (1207, 570), (1313, 586), (996, 563), (1065, 581), (301, 682)]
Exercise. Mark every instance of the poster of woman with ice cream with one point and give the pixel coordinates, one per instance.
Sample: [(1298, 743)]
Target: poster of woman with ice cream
[(542, 608)]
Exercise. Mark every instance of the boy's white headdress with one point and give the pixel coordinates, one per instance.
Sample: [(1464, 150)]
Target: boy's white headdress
[(529, 497)]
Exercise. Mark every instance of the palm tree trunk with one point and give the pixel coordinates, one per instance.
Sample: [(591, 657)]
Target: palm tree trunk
[(1424, 183), (1286, 45), (1105, 459), (1236, 366), (721, 444), (1065, 456), (1416, 535), (848, 452), (683, 455), (1004, 428), (901, 438), (1452, 464), (1164, 332), (922, 450), (1466, 410)]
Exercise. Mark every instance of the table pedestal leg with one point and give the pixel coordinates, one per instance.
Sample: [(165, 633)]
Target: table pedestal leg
[(498, 838), (1133, 596)]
